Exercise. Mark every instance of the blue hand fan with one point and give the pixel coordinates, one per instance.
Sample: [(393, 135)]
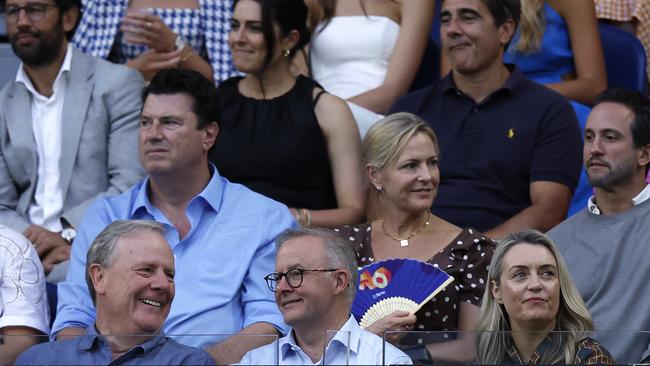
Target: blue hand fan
[(395, 284)]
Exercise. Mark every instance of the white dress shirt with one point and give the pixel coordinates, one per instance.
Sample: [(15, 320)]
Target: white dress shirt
[(47, 206), (640, 198), (351, 345)]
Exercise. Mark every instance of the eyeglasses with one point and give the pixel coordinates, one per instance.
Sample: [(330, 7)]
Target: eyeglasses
[(293, 277), (34, 11)]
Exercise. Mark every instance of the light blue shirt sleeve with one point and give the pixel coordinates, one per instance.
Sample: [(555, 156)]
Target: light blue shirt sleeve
[(258, 305), (75, 307)]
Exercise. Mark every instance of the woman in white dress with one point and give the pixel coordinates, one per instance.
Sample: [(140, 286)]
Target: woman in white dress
[(368, 51)]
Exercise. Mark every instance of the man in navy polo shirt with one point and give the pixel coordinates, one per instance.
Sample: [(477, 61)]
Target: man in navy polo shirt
[(510, 148)]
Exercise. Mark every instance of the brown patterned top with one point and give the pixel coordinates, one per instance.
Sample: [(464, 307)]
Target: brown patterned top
[(466, 259), (588, 352)]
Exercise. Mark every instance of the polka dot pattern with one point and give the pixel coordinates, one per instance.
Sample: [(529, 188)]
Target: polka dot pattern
[(466, 258)]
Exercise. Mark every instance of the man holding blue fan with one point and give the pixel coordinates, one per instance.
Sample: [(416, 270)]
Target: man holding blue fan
[(315, 283)]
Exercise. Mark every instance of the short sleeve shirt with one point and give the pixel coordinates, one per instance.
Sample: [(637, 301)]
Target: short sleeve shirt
[(490, 152)]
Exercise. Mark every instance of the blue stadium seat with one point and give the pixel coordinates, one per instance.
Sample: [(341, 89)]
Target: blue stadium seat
[(625, 58), (8, 64), (434, 34), (3, 29), (429, 71), (51, 290)]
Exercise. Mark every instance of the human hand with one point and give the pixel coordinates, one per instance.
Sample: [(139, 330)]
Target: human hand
[(55, 256), (150, 62), (44, 240), (397, 321), (140, 27)]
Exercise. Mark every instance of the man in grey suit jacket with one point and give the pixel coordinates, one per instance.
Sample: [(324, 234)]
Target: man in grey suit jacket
[(68, 128)]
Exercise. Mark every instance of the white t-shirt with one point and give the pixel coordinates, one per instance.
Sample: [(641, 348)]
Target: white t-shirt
[(23, 300)]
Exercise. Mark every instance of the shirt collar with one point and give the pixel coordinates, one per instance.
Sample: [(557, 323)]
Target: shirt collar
[(536, 356), (92, 338), (639, 199), (211, 194), (88, 340), (447, 84), (350, 327), (22, 77)]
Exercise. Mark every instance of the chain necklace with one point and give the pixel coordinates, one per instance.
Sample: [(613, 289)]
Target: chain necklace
[(405, 242)]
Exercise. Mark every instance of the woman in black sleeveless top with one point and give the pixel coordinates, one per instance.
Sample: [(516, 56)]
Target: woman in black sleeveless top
[(281, 135)]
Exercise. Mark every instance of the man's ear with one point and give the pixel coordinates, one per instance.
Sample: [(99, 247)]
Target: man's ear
[(496, 292), (211, 132), (342, 281), (98, 278), (506, 32), (69, 18), (643, 155)]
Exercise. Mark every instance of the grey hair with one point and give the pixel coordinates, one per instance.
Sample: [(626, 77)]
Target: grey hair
[(102, 249), (338, 250), (573, 319), (386, 140)]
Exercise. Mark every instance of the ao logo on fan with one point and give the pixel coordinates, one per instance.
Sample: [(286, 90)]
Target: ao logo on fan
[(379, 279)]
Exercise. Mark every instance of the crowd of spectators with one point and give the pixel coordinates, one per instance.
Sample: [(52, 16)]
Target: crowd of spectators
[(161, 164)]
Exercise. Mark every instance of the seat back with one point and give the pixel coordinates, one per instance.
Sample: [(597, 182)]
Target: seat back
[(52, 291), (625, 58), (3, 30), (429, 70)]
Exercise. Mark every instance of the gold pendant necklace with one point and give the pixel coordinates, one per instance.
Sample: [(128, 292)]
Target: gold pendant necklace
[(405, 242)]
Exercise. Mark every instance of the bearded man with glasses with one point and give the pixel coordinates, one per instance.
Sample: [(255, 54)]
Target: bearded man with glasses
[(315, 283), (68, 129)]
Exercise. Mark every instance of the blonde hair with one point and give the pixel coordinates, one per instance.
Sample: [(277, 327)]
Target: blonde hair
[(573, 320), (386, 140), (531, 26)]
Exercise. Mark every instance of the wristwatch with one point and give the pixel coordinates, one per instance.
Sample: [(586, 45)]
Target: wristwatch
[(68, 234)]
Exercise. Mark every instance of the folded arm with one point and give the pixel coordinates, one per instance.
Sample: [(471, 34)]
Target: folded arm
[(549, 206)]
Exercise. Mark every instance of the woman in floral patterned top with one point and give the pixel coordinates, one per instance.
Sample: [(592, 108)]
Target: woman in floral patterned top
[(401, 157)]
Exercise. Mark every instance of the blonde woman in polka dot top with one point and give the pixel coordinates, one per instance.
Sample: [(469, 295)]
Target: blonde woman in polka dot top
[(401, 157)]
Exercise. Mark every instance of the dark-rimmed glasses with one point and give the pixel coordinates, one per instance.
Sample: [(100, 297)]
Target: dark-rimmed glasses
[(293, 277), (35, 12)]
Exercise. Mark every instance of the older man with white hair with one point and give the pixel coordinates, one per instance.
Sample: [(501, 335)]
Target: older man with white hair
[(130, 274)]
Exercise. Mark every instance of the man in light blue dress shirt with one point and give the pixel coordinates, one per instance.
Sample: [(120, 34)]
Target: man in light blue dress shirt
[(315, 283), (222, 234), (130, 269)]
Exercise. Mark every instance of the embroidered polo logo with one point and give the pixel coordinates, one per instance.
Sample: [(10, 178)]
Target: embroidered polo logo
[(511, 133)]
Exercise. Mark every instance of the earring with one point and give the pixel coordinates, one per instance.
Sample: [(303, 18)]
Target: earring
[(378, 187), (286, 53)]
